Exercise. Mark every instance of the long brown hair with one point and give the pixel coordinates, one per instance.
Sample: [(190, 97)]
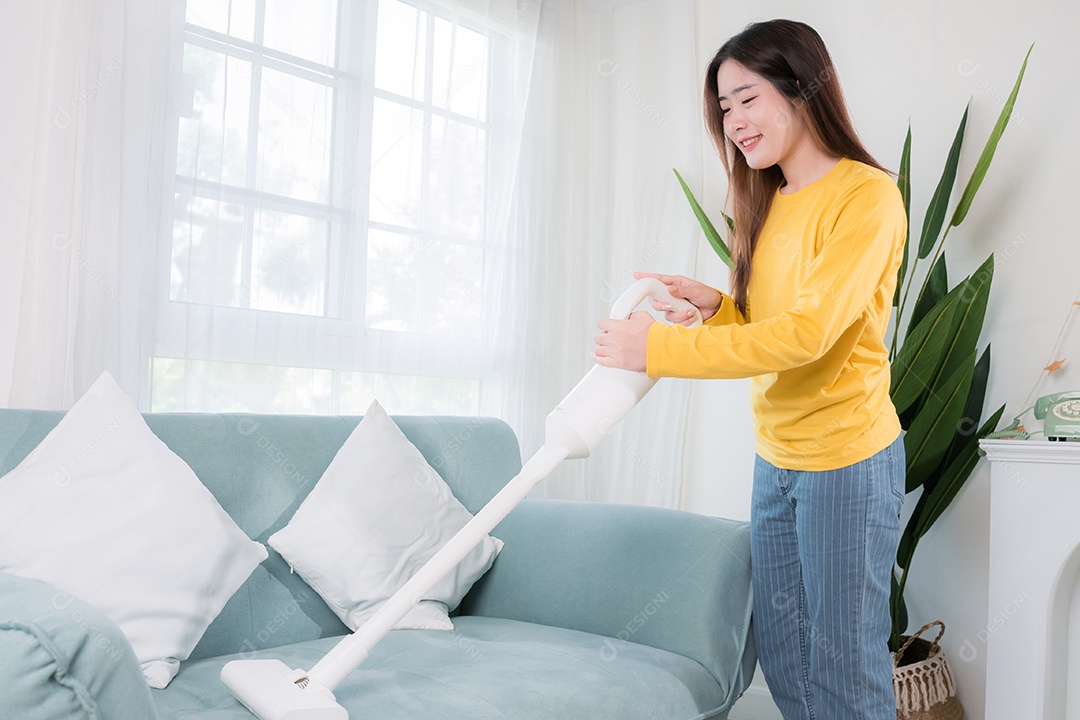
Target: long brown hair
[(793, 58)]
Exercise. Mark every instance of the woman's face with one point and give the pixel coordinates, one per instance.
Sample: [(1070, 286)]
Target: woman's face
[(762, 123)]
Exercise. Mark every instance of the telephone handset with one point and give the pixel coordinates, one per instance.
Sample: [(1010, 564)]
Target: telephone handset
[(1060, 414)]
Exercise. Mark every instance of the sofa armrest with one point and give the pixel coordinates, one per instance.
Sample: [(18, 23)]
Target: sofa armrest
[(674, 580), (62, 659)]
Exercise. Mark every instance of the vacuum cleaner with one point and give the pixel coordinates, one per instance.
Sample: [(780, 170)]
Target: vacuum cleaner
[(271, 690)]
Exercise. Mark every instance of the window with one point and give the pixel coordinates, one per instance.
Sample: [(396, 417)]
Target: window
[(328, 243)]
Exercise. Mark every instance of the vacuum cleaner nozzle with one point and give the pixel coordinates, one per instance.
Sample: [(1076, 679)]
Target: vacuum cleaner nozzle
[(273, 691)]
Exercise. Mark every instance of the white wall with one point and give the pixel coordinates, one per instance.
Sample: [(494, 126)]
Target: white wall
[(20, 55), (922, 59)]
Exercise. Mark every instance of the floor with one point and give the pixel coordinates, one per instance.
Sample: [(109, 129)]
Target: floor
[(756, 703)]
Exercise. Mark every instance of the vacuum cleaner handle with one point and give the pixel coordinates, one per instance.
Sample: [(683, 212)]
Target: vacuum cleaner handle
[(590, 411), (649, 288)]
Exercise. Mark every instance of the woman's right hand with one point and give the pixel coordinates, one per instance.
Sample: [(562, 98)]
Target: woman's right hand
[(704, 298)]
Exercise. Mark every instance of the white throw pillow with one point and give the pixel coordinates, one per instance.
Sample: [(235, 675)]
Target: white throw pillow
[(377, 514), (103, 510)]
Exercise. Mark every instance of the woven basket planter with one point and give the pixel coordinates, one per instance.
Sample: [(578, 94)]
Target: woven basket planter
[(924, 685)]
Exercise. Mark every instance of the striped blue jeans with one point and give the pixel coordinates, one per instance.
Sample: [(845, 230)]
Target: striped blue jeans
[(823, 546)]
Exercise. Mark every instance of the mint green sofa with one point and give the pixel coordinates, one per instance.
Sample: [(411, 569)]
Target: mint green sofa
[(591, 611)]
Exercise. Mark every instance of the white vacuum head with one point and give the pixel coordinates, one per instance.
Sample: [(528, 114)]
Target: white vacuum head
[(272, 690)]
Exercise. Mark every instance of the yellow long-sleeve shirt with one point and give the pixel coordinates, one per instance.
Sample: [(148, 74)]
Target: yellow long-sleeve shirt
[(818, 303)]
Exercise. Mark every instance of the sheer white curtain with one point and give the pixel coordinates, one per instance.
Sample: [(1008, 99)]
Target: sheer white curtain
[(285, 206), (275, 205), (615, 105), (86, 299)]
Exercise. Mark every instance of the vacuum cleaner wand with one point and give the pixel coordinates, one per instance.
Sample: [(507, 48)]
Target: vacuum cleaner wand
[(273, 691)]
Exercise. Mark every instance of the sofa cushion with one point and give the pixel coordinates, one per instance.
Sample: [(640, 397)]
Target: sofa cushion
[(103, 510), (61, 658), (486, 668), (374, 518)]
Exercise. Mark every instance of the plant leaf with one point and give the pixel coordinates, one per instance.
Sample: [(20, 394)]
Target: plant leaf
[(932, 504), (959, 337), (919, 359), (935, 211), (972, 295), (920, 476), (908, 539), (976, 398), (989, 149), (903, 181), (931, 431), (937, 287), (954, 477), (711, 235), (897, 600)]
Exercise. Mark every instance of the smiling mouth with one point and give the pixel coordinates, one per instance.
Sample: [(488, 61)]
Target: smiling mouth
[(748, 143)]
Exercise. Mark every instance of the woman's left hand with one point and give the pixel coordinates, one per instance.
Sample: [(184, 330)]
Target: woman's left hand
[(623, 343)]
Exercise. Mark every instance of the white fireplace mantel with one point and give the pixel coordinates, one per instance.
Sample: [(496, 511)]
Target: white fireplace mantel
[(1034, 565)]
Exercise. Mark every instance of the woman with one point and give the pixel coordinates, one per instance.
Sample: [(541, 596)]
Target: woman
[(819, 232)]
